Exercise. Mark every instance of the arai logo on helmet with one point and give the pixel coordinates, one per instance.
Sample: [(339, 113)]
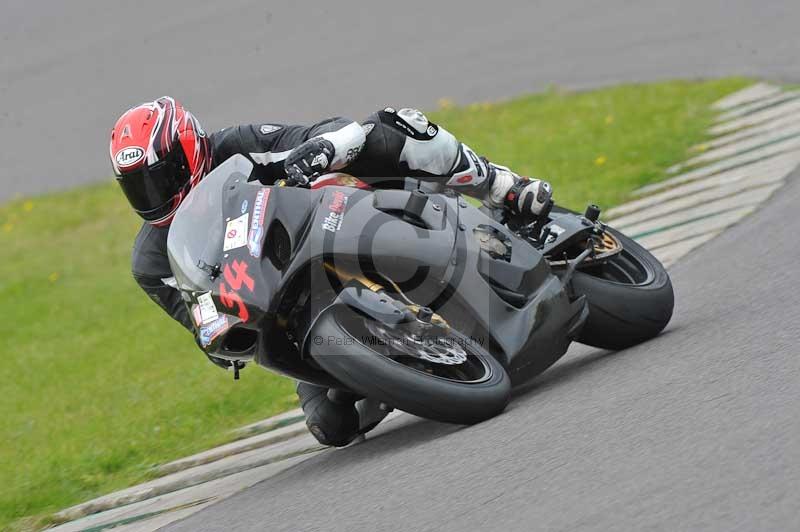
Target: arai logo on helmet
[(129, 156)]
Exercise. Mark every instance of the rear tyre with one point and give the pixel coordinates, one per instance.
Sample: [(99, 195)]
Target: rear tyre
[(630, 297), (467, 385)]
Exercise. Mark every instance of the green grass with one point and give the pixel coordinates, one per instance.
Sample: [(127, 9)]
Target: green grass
[(593, 146), (99, 384)]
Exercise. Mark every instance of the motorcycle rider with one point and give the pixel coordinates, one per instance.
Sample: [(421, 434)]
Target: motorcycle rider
[(159, 152)]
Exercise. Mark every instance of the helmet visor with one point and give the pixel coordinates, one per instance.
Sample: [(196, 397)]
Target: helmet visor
[(151, 190)]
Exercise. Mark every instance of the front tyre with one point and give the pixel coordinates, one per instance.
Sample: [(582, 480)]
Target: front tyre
[(453, 379), (630, 297)]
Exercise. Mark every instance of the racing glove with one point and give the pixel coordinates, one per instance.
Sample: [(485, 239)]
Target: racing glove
[(308, 160), (518, 195), (528, 197)]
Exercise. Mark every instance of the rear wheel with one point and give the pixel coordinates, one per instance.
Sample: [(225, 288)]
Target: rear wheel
[(630, 297), (449, 378)]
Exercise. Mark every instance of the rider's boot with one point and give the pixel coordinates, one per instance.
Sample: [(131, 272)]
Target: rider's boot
[(336, 417), (332, 421)]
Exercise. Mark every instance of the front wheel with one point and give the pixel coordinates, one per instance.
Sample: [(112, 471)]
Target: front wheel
[(450, 379), (630, 297)]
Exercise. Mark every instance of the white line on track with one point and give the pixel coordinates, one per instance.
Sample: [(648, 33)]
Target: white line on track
[(759, 150)]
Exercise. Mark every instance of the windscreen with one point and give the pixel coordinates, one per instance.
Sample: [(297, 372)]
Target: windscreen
[(195, 242)]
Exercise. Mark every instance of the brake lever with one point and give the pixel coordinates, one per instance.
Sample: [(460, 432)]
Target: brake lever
[(289, 181), (533, 232), (296, 178), (542, 220)]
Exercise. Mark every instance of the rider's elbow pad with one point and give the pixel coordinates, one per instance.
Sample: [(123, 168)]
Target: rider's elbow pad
[(347, 143)]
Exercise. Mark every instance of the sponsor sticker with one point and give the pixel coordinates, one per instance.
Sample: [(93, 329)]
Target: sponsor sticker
[(333, 221), (211, 331), (244, 206), (431, 131), (368, 128), (208, 311), (266, 129), (256, 235), (235, 233), (129, 156)]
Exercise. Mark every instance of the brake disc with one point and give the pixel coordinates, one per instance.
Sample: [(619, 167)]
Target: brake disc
[(437, 350)]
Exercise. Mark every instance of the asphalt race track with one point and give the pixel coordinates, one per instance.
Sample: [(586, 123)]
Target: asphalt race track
[(695, 430), (68, 69)]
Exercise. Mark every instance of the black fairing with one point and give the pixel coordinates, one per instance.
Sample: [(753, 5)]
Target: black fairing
[(425, 244)]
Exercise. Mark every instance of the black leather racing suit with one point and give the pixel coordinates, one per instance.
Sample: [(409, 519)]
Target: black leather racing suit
[(388, 144)]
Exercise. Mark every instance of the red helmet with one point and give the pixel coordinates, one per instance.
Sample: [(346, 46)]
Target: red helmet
[(159, 152)]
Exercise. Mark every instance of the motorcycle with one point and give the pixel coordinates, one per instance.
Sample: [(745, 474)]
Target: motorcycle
[(411, 297)]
